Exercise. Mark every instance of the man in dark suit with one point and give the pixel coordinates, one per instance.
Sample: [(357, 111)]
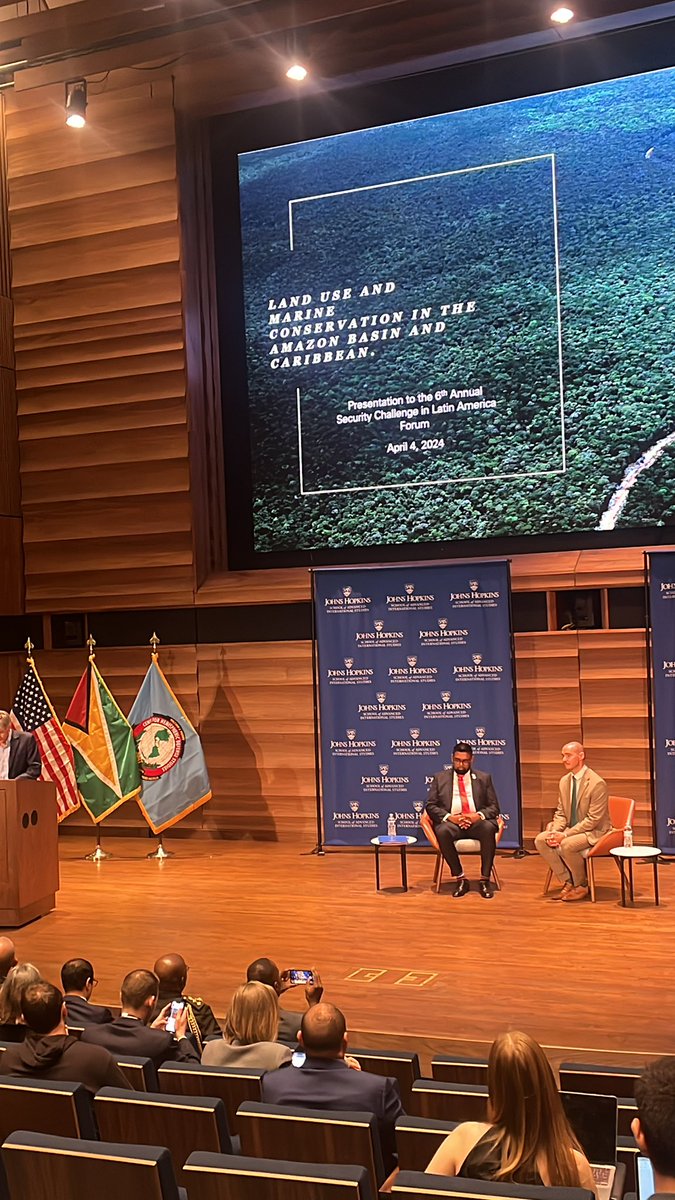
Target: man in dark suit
[(172, 972), (463, 804), (19, 752), (129, 1033), (325, 1080), (78, 983)]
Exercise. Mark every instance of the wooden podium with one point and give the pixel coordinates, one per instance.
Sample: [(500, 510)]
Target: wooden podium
[(29, 857)]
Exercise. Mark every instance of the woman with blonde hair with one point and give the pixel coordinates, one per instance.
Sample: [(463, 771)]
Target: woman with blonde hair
[(251, 1029), (528, 1138), (13, 989)]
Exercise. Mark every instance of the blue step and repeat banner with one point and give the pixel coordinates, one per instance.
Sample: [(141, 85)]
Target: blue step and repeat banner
[(411, 660), (662, 612)]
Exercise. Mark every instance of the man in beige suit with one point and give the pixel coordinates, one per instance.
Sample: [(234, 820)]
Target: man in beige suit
[(579, 821)]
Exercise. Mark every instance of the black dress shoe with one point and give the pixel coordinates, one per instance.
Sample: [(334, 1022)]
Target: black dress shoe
[(485, 889), (461, 889)]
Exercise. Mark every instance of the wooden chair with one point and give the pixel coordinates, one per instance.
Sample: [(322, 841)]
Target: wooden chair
[(621, 810), (232, 1177), (449, 1101), (45, 1106), (413, 1183), (40, 1167), (401, 1065), (140, 1072), (454, 1068), (181, 1123), (233, 1085), (418, 1139), (468, 845)]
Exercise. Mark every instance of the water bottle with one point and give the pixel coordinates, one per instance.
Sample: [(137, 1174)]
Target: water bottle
[(391, 826), (628, 837)]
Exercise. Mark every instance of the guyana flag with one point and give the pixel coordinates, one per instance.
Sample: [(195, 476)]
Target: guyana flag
[(106, 765)]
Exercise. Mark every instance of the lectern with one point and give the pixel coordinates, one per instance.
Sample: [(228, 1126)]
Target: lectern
[(29, 857)]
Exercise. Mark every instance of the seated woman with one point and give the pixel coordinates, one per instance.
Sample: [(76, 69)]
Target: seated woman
[(12, 1028), (528, 1139), (251, 1029)]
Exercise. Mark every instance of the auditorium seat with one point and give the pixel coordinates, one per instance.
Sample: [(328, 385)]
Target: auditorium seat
[(181, 1123), (449, 1101), (401, 1065), (464, 846), (621, 810), (41, 1167), (140, 1072), (418, 1139), (46, 1106), (455, 1068), (231, 1177), (591, 1077), (312, 1135), (626, 1114), (627, 1151), (414, 1183), (233, 1085)]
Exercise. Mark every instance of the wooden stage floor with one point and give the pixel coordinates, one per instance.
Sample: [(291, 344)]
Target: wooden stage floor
[(416, 969)]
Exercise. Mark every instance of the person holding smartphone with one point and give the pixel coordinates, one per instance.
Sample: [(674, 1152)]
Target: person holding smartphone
[(264, 970), (165, 1040)]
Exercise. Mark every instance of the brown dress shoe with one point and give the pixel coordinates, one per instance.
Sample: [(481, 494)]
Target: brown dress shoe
[(576, 893), (562, 891)]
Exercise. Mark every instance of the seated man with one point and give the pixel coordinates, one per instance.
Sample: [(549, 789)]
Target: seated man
[(172, 972), (78, 983), (128, 1033), (654, 1126), (579, 821), (263, 970), (50, 1052), (463, 804), (326, 1081)]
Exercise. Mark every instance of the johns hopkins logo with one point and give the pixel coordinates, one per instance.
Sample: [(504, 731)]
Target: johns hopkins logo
[(381, 697), (412, 660), (379, 625), (477, 658), (346, 592), (352, 747), (346, 602), (446, 708), (409, 589), (384, 769), (474, 597), (351, 734), (670, 821), (385, 781), (670, 747), (442, 622), (414, 733), (473, 584), (445, 635), (349, 663), (478, 671), (486, 745), (668, 668), (355, 818), (349, 674), (412, 673), (415, 744), (480, 731), (409, 599), (669, 590), (354, 806), (382, 710), (379, 637)]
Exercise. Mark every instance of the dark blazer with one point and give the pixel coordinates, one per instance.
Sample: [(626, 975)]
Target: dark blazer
[(81, 1012), (24, 756), (202, 1023), (440, 795), (127, 1035), (330, 1083)]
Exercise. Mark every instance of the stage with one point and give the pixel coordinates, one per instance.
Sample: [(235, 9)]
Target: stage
[(415, 970)]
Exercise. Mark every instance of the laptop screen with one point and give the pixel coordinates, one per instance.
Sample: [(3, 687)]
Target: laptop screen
[(644, 1177), (593, 1120)]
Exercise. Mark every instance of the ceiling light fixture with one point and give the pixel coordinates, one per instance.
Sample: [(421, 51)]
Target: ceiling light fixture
[(297, 72), (561, 16), (76, 103)]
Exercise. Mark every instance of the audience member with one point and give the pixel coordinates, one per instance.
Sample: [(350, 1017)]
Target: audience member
[(172, 972), (264, 970), (129, 1033), (325, 1080), (251, 1031), (654, 1126), (12, 990), (78, 983), (50, 1052), (528, 1139), (7, 957)]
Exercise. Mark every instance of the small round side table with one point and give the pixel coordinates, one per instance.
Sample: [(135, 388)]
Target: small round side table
[(628, 854)]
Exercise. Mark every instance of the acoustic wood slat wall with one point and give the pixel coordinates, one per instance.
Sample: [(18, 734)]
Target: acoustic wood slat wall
[(103, 422)]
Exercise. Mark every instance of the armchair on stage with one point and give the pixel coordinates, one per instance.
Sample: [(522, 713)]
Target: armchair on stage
[(466, 845), (621, 810), (29, 859)]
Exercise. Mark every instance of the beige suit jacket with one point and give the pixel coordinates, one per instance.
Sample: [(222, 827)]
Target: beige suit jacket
[(592, 807)]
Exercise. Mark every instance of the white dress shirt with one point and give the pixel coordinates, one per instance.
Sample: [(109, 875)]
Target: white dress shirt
[(4, 759)]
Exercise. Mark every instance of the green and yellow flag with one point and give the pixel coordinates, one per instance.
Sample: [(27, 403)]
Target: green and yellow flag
[(106, 764)]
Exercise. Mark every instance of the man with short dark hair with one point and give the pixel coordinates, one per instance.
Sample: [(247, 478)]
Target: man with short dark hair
[(78, 982), (50, 1052), (326, 1081), (172, 972), (264, 970), (129, 1033), (7, 958), (654, 1126), (19, 752), (463, 804)]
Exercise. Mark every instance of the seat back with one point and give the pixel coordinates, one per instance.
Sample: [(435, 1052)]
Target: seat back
[(181, 1123), (621, 811), (625, 1115), (455, 1068), (418, 1139), (40, 1167), (449, 1101), (140, 1072), (231, 1177), (593, 1119), (627, 1151), (312, 1135), (606, 1080), (45, 1106), (401, 1065), (233, 1085), (412, 1183)]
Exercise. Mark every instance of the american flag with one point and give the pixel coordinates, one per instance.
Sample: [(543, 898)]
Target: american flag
[(33, 713)]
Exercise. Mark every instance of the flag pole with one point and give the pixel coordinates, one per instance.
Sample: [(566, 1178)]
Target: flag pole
[(160, 854), (98, 855)]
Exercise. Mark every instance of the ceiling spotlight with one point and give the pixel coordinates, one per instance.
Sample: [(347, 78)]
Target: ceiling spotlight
[(297, 72), (562, 15), (76, 103)]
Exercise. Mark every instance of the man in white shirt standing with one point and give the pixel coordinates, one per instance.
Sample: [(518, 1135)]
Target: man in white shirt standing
[(579, 821), (463, 804)]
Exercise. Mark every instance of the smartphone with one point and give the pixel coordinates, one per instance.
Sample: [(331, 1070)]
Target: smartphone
[(175, 1011), (300, 977)]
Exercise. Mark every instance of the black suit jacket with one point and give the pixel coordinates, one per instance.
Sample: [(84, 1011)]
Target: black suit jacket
[(82, 1013), (127, 1035), (24, 756), (484, 795)]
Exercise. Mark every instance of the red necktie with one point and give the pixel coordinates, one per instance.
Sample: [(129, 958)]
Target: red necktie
[(462, 791)]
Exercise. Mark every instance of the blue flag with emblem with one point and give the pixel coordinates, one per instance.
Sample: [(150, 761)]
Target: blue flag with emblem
[(173, 771)]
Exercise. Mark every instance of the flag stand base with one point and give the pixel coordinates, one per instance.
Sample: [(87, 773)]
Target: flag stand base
[(160, 853), (99, 854)]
